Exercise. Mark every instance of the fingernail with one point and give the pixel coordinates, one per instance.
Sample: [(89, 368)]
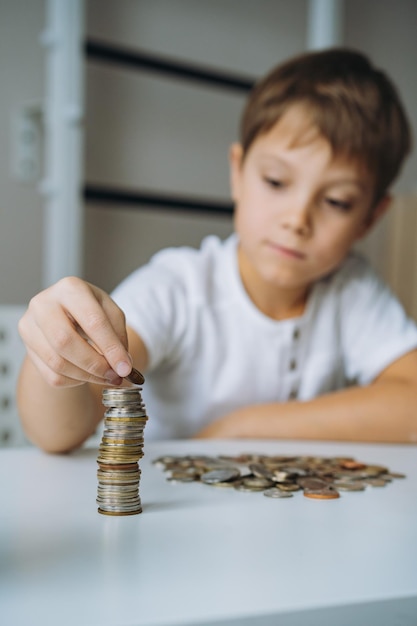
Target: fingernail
[(123, 368)]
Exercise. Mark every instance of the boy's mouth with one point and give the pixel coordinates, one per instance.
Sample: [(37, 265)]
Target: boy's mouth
[(285, 251)]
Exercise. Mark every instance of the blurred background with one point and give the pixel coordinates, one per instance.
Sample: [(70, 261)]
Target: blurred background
[(136, 158)]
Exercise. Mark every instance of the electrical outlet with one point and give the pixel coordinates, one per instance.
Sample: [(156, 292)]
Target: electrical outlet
[(12, 352), (28, 144)]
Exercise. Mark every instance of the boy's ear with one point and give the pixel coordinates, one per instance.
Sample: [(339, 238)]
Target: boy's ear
[(377, 212), (235, 163)]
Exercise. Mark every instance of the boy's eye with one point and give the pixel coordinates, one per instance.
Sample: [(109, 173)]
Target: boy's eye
[(343, 205), (275, 183)]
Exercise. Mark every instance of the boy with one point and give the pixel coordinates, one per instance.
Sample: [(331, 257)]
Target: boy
[(277, 332)]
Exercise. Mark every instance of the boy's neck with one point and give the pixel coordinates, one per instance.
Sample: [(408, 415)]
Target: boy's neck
[(273, 301)]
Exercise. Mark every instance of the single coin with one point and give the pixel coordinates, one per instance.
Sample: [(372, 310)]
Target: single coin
[(351, 485), (281, 476), (322, 494), (123, 467), (375, 482), (288, 487), (135, 377), (258, 482), (352, 465), (240, 486), (260, 471), (311, 482), (120, 512), (389, 475), (375, 470), (182, 476), (129, 441), (227, 483), (220, 475), (274, 492)]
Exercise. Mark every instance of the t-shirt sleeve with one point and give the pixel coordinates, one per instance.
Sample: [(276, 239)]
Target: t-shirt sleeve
[(375, 329), (152, 299)]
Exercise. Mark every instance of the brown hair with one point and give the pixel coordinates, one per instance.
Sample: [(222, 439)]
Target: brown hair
[(354, 106)]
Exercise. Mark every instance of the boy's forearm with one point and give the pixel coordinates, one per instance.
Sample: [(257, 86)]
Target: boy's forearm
[(382, 412), (56, 420)]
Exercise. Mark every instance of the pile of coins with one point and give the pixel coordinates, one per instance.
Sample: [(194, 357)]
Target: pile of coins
[(119, 452), (316, 477)]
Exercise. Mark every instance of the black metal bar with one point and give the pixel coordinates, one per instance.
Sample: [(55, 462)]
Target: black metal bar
[(113, 196), (136, 59)]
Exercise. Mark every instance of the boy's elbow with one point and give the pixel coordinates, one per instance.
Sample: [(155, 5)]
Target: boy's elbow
[(51, 444)]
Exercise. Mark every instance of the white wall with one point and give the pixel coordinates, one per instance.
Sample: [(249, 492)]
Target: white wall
[(143, 131), (21, 83)]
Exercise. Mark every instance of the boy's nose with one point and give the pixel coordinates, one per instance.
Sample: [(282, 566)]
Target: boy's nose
[(298, 219)]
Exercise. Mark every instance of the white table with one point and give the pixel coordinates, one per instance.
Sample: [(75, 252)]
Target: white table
[(200, 555)]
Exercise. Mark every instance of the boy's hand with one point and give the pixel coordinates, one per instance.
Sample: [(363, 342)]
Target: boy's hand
[(74, 333)]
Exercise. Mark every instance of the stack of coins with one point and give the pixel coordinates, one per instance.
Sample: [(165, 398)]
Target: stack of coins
[(119, 452)]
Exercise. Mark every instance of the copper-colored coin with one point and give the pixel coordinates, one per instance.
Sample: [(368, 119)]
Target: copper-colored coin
[(351, 464), (322, 494), (135, 377)]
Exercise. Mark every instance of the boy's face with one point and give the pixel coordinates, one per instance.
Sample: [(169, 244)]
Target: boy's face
[(299, 209)]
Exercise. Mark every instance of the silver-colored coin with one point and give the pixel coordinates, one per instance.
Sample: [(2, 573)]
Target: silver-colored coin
[(282, 476), (257, 482), (120, 509), (261, 471), (274, 492), (220, 475), (352, 485)]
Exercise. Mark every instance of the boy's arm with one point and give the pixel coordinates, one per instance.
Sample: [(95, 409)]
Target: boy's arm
[(384, 411), (77, 342), (56, 419)]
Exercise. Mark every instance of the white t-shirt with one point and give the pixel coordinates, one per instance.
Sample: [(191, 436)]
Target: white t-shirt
[(211, 350)]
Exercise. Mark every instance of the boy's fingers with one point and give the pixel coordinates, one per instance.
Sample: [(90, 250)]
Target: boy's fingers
[(69, 351), (68, 377), (52, 337), (103, 323)]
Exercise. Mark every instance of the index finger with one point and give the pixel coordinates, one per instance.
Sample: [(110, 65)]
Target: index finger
[(103, 324)]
